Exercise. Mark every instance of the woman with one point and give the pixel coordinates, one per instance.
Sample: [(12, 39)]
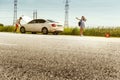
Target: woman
[(81, 24)]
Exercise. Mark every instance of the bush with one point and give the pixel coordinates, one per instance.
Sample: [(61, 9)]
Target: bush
[(67, 31), (6, 29), (94, 32), (1, 24), (75, 31), (70, 31)]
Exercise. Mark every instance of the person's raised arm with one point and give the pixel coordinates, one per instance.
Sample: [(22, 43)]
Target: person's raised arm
[(77, 18)]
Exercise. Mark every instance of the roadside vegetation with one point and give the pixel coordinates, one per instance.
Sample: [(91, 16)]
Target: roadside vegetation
[(6, 28), (99, 31), (1, 24)]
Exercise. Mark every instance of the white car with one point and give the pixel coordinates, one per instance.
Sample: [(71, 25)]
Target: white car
[(42, 25)]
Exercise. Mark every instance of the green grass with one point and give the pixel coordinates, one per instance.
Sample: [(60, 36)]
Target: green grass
[(70, 31), (6, 28), (99, 31), (114, 32)]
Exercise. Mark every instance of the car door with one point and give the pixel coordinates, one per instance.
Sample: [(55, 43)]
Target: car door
[(30, 25), (40, 24), (35, 25)]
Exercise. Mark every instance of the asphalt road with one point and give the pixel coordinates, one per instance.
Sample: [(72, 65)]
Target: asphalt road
[(60, 44), (98, 49)]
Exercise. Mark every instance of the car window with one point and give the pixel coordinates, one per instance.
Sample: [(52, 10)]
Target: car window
[(41, 21), (37, 21), (32, 22)]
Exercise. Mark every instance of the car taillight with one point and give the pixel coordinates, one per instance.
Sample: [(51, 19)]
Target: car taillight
[(53, 25)]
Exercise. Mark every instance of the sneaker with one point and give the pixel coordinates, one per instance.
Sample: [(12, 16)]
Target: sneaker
[(81, 35)]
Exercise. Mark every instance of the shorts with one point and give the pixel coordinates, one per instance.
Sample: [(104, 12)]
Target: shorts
[(16, 26)]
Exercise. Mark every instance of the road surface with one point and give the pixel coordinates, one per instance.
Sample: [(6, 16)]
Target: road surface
[(92, 51), (67, 44)]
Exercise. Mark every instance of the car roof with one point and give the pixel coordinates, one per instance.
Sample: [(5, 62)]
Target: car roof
[(43, 19), (38, 19)]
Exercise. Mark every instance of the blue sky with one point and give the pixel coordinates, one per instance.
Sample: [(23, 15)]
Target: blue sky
[(97, 12)]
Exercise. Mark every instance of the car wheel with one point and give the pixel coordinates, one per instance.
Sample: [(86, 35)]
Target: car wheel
[(45, 31), (22, 30), (33, 32)]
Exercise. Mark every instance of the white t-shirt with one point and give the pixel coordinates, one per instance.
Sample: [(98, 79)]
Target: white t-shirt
[(18, 22)]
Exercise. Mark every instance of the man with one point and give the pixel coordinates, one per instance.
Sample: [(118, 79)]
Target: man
[(18, 24)]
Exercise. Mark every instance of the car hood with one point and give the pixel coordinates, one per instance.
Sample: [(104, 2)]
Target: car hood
[(26, 19)]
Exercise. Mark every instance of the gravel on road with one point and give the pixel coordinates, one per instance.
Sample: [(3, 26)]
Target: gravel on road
[(58, 57)]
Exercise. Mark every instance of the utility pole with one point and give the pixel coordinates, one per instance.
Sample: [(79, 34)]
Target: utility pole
[(35, 14), (66, 23), (15, 12)]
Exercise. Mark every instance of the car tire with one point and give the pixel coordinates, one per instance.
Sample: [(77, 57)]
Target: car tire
[(22, 30), (44, 30)]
